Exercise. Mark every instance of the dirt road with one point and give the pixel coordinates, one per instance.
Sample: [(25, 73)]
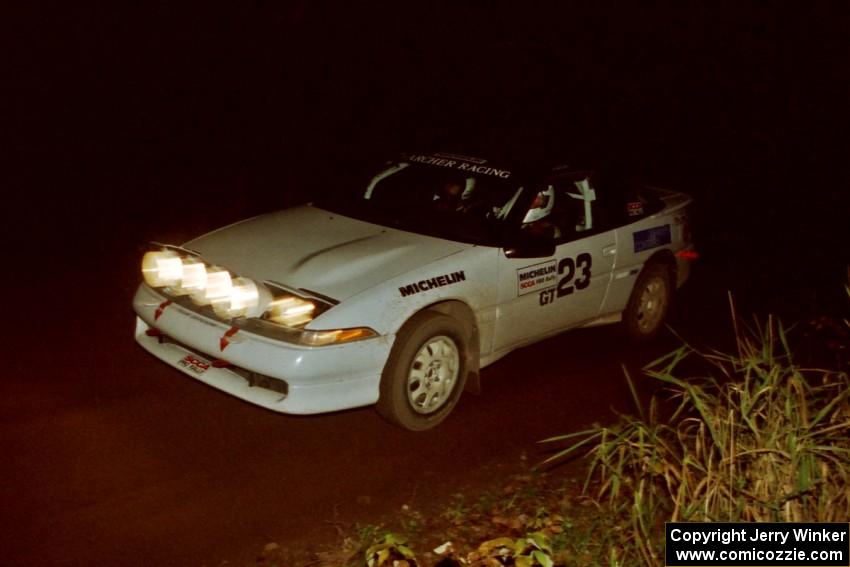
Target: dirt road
[(113, 458)]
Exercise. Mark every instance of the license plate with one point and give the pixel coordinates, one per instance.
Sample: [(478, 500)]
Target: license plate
[(194, 364)]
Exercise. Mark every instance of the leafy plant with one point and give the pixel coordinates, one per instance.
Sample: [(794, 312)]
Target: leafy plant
[(533, 550), (390, 550), (758, 439)]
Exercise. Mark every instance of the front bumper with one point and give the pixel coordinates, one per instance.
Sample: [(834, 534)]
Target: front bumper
[(317, 379)]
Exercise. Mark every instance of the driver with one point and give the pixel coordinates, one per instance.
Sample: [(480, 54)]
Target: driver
[(447, 197), (537, 220), (456, 195)]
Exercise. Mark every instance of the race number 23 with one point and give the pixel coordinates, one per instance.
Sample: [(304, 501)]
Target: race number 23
[(568, 283), (568, 268)]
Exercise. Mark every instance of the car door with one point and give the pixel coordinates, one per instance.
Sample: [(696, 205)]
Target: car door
[(544, 295)]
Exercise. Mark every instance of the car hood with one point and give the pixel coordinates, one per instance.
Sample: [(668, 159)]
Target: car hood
[(313, 249)]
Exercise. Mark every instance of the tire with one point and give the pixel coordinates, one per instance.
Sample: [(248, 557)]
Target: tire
[(649, 303), (425, 372)]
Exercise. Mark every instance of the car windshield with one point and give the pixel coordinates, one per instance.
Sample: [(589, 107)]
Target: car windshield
[(469, 204)]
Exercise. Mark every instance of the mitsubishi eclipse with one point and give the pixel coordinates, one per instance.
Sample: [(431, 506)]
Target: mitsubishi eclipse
[(400, 291)]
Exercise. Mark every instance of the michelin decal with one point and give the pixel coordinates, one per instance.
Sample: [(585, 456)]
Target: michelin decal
[(536, 277), (432, 283)]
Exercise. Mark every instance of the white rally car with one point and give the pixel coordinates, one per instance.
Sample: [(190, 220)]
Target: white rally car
[(399, 292)]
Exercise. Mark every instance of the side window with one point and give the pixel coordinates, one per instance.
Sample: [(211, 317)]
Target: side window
[(584, 192), (623, 198), (575, 211), (638, 204)]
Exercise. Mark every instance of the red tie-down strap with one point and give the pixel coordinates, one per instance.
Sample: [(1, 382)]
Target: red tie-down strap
[(225, 339), (158, 313)]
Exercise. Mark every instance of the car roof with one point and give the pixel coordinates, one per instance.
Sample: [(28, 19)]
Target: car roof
[(530, 165)]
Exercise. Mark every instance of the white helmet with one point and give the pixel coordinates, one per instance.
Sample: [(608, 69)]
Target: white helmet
[(541, 206)]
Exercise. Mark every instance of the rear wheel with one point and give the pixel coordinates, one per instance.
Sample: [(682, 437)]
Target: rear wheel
[(649, 303), (425, 372)]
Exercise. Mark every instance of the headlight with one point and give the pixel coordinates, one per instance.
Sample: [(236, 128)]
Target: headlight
[(290, 311), (291, 308), (321, 338), (269, 309)]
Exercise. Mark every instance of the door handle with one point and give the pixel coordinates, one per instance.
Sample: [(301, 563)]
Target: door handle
[(610, 250)]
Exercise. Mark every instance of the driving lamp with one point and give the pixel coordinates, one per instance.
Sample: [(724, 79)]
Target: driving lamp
[(162, 268), (217, 288), (242, 297), (193, 278)]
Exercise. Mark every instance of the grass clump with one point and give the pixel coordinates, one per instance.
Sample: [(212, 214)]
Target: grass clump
[(758, 438)]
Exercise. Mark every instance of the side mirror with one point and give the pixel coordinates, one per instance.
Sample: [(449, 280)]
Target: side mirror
[(533, 244)]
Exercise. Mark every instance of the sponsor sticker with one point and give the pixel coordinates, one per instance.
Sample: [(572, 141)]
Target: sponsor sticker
[(194, 363), (651, 238), (470, 159), (634, 209), (460, 163), (432, 283), (537, 277)]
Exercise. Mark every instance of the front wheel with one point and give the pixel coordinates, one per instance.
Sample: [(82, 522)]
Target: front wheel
[(649, 303), (425, 372)]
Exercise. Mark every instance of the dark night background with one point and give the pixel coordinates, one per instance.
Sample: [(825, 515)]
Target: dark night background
[(138, 121), (126, 115)]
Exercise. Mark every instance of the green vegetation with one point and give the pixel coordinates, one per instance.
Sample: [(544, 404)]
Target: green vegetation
[(758, 439)]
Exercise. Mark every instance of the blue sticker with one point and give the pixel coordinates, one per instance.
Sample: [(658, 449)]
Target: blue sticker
[(651, 237)]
